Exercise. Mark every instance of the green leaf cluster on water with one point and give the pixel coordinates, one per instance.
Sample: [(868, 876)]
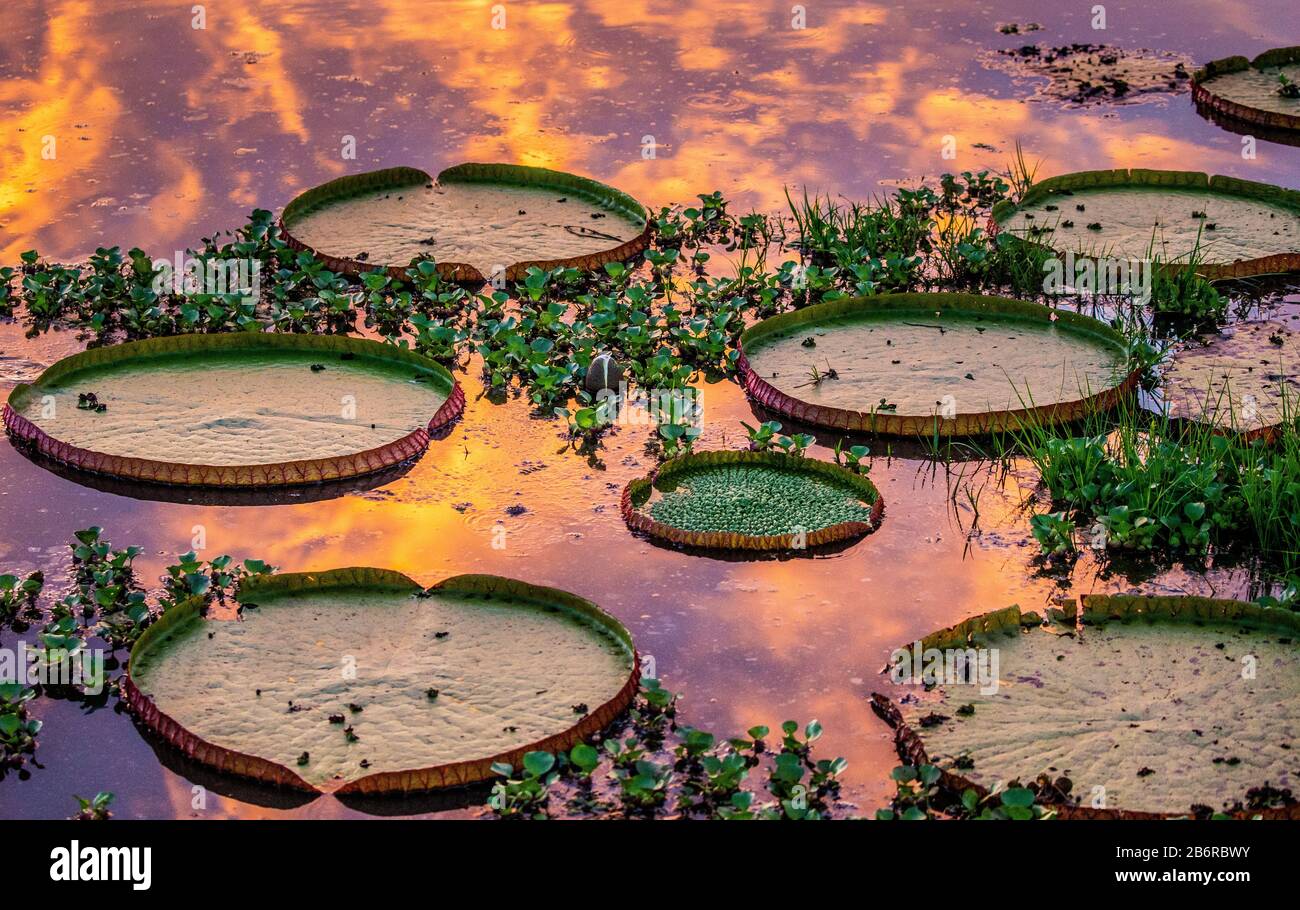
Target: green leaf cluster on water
[(755, 500), (649, 766), (919, 796), (1140, 482), (669, 323)]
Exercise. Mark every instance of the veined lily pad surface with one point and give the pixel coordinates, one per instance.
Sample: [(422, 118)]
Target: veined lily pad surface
[(473, 220), (910, 363), (1248, 90), (239, 409), (357, 681), (752, 501), (1164, 703), (1235, 227), (1241, 380)]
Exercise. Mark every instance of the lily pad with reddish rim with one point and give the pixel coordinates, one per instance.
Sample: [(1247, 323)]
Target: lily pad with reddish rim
[(933, 364), (236, 410), (473, 219), (1149, 706), (358, 681), (1238, 92), (1234, 228), (752, 501)]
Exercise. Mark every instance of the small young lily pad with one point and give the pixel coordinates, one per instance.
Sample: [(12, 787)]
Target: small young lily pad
[(753, 501)]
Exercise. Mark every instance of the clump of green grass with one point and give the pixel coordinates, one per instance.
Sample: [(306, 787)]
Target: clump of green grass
[(1178, 288), (1150, 484)]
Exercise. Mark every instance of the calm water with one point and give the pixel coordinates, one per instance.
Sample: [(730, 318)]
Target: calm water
[(165, 133)]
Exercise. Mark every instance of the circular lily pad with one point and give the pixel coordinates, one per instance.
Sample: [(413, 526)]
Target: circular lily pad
[(235, 410), (1243, 228), (474, 219), (752, 501), (919, 364), (1248, 91), (1241, 380), (1150, 707), (358, 681)]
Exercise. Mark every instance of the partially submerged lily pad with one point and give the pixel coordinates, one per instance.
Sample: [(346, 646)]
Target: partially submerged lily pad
[(235, 410), (1152, 706), (1253, 92), (752, 501), (916, 364), (1237, 228), (1241, 380), (357, 681), (472, 220), (1087, 74)]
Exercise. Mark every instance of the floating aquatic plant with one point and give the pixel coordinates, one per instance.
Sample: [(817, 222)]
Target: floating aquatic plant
[(18, 730)]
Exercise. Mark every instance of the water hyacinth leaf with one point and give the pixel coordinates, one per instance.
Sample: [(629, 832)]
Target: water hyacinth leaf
[(538, 763), (584, 757)]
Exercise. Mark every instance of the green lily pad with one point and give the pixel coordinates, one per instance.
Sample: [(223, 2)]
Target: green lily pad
[(1153, 705), (474, 220), (902, 362), (343, 666), (236, 408), (752, 500), (1234, 226)]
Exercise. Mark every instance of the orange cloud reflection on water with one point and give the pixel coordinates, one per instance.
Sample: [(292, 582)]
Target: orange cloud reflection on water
[(185, 130)]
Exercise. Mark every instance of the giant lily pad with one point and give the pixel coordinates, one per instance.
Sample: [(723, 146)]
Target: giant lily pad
[(917, 364), (1151, 706), (1247, 91), (358, 681), (1236, 228), (474, 220), (752, 501), (1240, 380), (235, 410)]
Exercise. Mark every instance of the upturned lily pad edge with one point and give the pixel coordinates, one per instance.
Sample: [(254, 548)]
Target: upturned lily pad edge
[(28, 435), (1207, 101), (384, 783), (638, 489), (884, 423), (1272, 264), (1097, 609), (470, 172)]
